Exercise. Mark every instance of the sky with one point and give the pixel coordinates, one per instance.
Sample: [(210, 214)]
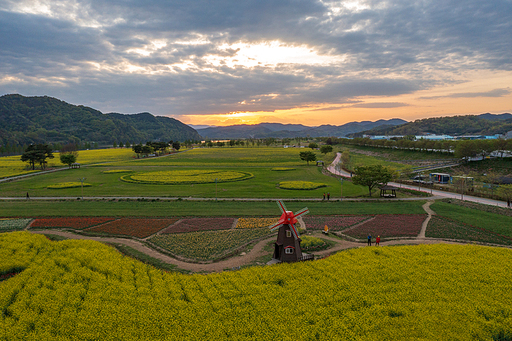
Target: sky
[(228, 62)]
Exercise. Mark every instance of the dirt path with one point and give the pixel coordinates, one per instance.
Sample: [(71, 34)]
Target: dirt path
[(430, 213)]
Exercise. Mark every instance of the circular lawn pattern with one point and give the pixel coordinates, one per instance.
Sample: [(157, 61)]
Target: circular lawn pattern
[(180, 177)]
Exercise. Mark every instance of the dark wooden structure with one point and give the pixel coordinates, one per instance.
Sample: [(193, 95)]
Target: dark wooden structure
[(384, 189), (287, 247)]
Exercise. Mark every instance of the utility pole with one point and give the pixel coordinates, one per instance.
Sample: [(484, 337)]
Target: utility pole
[(82, 181)]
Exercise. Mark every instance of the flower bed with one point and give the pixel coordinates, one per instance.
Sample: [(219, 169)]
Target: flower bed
[(335, 223), (199, 224), (282, 169), (62, 185), (196, 176), (207, 245), (251, 223), (112, 171), (77, 223), (310, 243), (389, 225), (134, 227), (300, 185), (13, 224), (440, 227)]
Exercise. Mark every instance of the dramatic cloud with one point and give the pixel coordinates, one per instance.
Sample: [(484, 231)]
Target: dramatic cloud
[(181, 57)]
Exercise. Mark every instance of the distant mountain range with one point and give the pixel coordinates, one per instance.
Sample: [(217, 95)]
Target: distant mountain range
[(278, 130), (25, 120), (484, 124)]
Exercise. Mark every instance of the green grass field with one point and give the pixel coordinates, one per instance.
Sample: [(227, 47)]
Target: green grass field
[(493, 222), (176, 208), (257, 161)]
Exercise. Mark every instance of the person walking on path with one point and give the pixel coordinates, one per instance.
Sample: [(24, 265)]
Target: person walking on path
[(377, 241), (328, 196), (324, 196), (28, 197), (369, 240)]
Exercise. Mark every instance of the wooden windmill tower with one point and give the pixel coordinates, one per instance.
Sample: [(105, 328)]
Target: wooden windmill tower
[(287, 247)]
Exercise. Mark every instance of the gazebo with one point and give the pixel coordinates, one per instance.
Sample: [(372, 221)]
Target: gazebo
[(384, 189)]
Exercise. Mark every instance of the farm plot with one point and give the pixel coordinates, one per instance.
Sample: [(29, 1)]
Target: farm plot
[(13, 224), (389, 225), (199, 224), (77, 223), (335, 223), (254, 223), (134, 227), (207, 245), (440, 227)]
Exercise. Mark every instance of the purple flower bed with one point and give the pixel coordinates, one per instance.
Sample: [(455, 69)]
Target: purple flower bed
[(200, 224), (335, 223), (389, 225)]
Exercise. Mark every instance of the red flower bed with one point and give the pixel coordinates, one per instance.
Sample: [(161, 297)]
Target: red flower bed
[(134, 227), (389, 225), (335, 223), (200, 224), (78, 223)]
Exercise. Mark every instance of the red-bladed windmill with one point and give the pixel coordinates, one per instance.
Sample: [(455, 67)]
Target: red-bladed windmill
[(287, 247)]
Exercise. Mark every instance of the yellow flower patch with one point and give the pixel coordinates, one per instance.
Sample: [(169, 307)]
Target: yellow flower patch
[(117, 171), (177, 177), (62, 185), (300, 185), (252, 223), (282, 169)]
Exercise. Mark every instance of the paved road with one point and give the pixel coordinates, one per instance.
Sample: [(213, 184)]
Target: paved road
[(435, 193)]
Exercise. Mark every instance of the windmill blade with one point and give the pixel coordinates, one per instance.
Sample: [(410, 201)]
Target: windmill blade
[(281, 206), (305, 210), (294, 231), (276, 225)]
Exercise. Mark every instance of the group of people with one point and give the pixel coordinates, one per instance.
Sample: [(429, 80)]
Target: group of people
[(377, 240), (328, 196)]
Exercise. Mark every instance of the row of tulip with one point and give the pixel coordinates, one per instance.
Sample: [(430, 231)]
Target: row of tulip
[(199, 224), (134, 227), (389, 225)]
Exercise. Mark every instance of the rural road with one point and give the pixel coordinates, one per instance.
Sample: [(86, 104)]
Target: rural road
[(436, 193)]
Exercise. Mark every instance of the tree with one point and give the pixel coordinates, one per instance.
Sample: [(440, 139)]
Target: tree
[(68, 159), (465, 149), (325, 149), (176, 145), (69, 154), (137, 149), (345, 160), (313, 145), (371, 176), (505, 191), (146, 150), (37, 153), (307, 156)]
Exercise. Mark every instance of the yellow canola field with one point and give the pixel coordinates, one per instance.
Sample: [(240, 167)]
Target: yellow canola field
[(195, 176), (12, 165), (83, 290)]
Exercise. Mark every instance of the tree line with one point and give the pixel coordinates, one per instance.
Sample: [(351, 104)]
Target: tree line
[(463, 149)]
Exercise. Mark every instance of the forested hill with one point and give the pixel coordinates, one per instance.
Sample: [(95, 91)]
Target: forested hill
[(25, 120), (485, 124)]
